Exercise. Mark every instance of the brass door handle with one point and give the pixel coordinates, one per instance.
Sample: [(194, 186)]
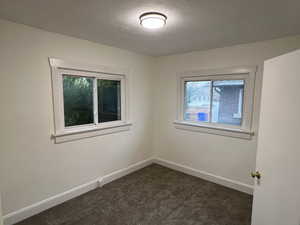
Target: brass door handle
[(256, 175)]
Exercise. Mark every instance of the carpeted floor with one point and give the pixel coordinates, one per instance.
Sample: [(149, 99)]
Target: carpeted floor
[(154, 195)]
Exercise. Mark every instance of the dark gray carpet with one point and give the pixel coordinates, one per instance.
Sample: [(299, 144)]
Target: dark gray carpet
[(154, 195)]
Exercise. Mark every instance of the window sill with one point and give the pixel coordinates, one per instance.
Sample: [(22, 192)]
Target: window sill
[(223, 131), (72, 135)]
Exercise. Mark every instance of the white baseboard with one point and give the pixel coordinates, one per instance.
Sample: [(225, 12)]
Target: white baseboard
[(206, 176), (123, 172), (38, 207)]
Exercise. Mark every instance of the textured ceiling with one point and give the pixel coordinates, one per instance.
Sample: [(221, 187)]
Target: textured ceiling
[(192, 24)]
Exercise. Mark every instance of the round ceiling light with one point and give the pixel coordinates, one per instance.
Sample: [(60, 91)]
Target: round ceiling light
[(153, 20)]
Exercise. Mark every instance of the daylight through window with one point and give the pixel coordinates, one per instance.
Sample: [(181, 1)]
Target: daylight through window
[(82, 100), (217, 101), (78, 100), (88, 100)]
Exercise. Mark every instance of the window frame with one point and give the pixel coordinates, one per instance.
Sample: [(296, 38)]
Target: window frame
[(60, 68), (246, 73)]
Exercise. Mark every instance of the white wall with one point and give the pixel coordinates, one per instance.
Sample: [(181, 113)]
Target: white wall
[(228, 157), (32, 167)]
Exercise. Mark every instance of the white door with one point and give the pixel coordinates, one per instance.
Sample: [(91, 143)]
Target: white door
[(277, 193)]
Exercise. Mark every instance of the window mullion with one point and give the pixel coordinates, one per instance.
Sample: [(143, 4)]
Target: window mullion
[(211, 101), (95, 98)]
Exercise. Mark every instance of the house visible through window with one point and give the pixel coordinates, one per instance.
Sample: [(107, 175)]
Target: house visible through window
[(220, 99)]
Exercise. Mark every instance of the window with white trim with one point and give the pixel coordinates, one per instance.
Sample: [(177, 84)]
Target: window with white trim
[(217, 101), (88, 99)]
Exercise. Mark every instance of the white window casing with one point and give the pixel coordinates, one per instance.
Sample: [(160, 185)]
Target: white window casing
[(62, 133), (246, 73)]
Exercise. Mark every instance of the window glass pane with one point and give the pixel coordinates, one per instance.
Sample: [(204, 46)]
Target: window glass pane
[(109, 100), (197, 101), (227, 107), (78, 100)]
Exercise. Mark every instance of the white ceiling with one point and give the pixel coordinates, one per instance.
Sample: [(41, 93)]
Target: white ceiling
[(192, 24)]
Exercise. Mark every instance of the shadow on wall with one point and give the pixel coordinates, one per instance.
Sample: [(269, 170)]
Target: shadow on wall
[(1, 220)]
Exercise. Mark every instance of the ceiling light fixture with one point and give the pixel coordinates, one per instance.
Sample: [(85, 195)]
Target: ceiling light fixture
[(153, 20)]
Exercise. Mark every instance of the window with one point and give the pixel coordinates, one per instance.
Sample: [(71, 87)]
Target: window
[(78, 100), (87, 99), (109, 100), (217, 101)]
